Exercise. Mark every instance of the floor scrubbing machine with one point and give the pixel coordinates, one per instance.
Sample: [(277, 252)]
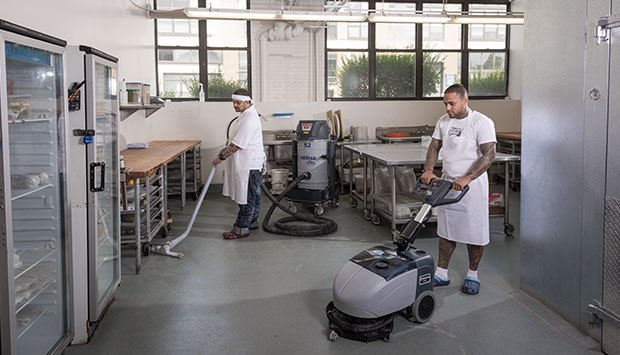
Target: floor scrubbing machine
[(386, 279), (314, 152)]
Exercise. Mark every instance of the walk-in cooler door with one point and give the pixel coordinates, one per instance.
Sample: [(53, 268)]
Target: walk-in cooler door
[(611, 244), (103, 183), (34, 225)]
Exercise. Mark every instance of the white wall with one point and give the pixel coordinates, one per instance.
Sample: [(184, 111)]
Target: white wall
[(208, 121), (112, 26), (294, 85)]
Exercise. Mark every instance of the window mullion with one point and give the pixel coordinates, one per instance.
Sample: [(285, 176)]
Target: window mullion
[(419, 61), (372, 63), (202, 54)]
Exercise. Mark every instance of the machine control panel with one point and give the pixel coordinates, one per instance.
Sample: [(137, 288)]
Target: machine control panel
[(318, 129)]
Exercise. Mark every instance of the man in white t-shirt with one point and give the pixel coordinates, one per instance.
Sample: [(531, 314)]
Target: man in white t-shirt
[(467, 140), (244, 159)]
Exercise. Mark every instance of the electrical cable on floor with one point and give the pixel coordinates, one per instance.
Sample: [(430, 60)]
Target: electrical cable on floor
[(314, 226)]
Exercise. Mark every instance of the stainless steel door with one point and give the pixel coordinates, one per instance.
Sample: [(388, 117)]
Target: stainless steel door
[(33, 204), (611, 244), (103, 183)]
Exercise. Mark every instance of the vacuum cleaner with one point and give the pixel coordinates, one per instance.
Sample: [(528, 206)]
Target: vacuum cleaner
[(387, 279), (314, 184), (314, 152)]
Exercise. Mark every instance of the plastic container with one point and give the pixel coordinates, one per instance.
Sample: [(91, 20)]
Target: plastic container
[(134, 93), (146, 94), (201, 94), (279, 180), (407, 205)]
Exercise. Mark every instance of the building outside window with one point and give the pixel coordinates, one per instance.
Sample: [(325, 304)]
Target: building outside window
[(416, 61), (182, 43)]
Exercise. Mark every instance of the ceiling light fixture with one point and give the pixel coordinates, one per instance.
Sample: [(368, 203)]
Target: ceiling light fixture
[(319, 16)]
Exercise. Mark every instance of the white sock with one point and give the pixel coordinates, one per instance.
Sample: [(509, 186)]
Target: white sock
[(442, 273), (472, 274)]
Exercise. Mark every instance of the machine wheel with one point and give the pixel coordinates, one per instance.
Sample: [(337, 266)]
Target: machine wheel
[(146, 250), (319, 210), (333, 336), (367, 215), (424, 307), (353, 202), (509, 229), (293, 207), (375, 219), (334, 203)]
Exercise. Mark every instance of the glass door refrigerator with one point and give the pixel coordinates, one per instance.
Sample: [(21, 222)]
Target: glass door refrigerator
[(94, 183), (35, 269)]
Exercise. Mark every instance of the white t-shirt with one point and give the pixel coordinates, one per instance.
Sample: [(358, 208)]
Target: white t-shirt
[(249, 137), (461, 139)]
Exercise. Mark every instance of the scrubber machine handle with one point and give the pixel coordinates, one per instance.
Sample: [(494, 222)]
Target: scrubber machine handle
[(432, 195)]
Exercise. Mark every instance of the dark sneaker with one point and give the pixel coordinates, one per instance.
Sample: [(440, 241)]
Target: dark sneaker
[(438, 281), (471, 286)]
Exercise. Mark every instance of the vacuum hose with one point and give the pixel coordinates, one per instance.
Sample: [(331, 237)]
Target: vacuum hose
[(316, 225)]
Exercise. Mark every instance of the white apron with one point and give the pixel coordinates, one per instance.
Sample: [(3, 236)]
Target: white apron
[(237, 166), (468, 220)]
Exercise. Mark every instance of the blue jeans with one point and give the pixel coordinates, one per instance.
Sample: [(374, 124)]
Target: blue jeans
[(248, 213)]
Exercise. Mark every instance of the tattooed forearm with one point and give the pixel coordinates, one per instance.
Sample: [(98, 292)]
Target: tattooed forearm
[(432, 154), (227, 151), (483, 163)]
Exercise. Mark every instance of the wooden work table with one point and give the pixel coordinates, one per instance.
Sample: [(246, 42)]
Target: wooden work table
[(143, 162), (148, 168)]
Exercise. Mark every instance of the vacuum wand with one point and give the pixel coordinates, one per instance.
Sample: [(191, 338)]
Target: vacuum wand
[(166, 248)]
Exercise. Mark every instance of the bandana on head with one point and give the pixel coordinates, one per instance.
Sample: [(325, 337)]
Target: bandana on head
[(242, 98)]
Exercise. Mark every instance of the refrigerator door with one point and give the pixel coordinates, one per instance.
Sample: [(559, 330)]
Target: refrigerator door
[(34, 208), (103, 183)]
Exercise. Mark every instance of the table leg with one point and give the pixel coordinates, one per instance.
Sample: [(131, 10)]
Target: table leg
[(508, 228), (393, 182), (164, 183), (137, 221), (183, 177)]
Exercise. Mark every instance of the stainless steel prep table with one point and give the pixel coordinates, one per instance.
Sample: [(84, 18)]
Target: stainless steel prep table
[(341, 145), (393, 155)]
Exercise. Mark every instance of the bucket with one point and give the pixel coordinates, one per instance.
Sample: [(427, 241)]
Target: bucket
[(279, 179), (359, 133)]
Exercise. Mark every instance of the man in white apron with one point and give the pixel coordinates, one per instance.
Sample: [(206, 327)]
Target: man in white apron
[(467, 140), (244, 158)]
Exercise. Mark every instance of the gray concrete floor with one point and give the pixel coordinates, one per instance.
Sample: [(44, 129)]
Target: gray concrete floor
[(266, 294)]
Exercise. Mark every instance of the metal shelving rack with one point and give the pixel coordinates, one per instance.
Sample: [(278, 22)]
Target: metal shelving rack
[(510, 145), (142, 221), (193, 177)]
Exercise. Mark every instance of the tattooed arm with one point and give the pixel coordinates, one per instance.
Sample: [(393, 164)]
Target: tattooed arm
[(432, 154), (481, 165), (225, 153)]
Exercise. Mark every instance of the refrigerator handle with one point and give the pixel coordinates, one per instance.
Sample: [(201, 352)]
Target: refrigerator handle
[(93, 167)]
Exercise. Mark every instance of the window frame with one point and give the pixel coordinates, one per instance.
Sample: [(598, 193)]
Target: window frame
[(202, 49), (419, 51)]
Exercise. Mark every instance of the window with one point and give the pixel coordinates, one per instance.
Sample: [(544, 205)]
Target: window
[(182, 43), (416, 61)]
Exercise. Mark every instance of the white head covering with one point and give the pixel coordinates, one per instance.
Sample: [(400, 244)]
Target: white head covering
[(242, 98)]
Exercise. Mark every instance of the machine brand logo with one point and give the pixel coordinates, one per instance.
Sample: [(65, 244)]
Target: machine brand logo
[(424, 279), (310, 160)]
